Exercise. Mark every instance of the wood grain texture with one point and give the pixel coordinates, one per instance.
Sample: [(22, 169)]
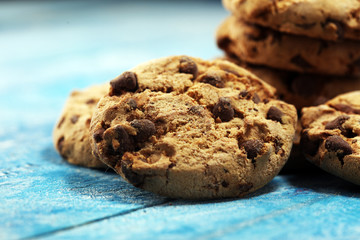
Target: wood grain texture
[(48, 49)]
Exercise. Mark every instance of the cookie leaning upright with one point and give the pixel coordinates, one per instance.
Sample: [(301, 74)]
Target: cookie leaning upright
[(187, 128), (323, 19), (330, 138), (71, 134)]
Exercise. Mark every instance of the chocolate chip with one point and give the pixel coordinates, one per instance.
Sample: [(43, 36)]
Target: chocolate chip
[(223, 109), (125, 82), (125, 142), (187, 65), (243, 93), (74, 119), (98, 134), (253, 148), (337, 144), (278, 145), (345, 108), (60, 144), (274, 114), (306, 25), (299, 61), (224, 184), (243, 188), (223, 43), (256, 98), (144, 129), (91, 101), (134, 178), (309, 146), (213, 79), (132, 103), (337, 123)]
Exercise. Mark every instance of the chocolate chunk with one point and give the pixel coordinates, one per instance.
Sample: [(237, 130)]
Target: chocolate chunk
[(278, 145), (309, 146), (213, 79), (337, 144), (91, 101), (187, 65), (243, 93), (144, 129), (337, 123), (224, 184), (60, 144), (256, 98), (299, 61), (345, 108), (306, 25), (223, 43), (243, 188), (125, 82), (125, 142), (223, 109), (253, 148), (98, 135), (132, 103), (134, 178), (74, 119), (274, 114)]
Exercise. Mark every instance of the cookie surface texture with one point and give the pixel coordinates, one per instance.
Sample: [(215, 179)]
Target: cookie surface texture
[(195, 129), (263, 46), (330, 138), (71, 134), (323, 19)]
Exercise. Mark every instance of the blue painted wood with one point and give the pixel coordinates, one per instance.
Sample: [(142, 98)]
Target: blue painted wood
[(49, 48)]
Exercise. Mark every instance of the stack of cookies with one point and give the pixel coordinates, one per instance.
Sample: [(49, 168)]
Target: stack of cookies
[(309, 50)]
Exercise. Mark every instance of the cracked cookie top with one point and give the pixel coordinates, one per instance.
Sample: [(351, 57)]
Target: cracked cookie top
[(330, 137), (188, 128)]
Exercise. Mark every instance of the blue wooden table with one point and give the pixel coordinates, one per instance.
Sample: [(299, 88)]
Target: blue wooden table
[(49, 48)]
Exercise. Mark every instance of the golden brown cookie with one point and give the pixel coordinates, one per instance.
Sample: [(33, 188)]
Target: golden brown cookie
[(330, 138), (188, 128), (323, 19), (263, 46), (71, 133)]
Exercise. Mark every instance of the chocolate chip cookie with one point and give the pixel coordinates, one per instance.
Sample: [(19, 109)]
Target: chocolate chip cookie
[(188, 128), (263, 46), (301, 90), (71, 133), (330, 138), (328, 20)]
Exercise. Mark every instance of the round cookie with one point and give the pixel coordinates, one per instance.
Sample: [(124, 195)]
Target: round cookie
[(188, 128), (262, 46), (323, 19), (71, 134), (301, 90), (330, 136)]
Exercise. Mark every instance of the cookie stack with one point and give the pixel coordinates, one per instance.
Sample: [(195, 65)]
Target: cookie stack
[(309, 51), (181, 127)]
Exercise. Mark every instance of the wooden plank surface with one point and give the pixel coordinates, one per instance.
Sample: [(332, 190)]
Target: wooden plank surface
[(49, 48)]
